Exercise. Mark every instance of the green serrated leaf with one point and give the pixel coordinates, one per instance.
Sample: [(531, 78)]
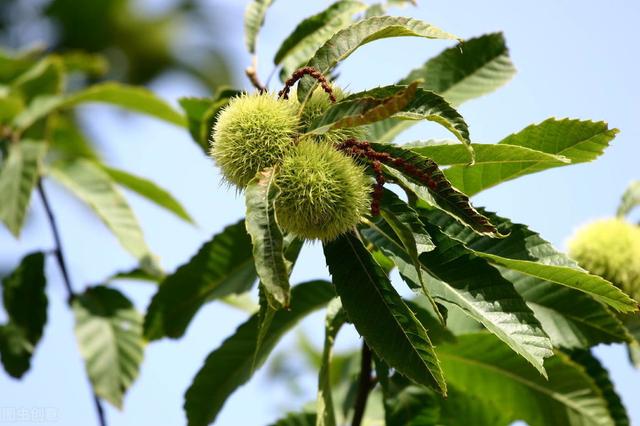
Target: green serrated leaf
[(568, 275), (132, 98), (630, 199), (336, 317), (267, 239), (461, 73), (346, 41), (593, 285), (230, 366), (389, 327), (109, 334), (406, 225), (313, 32), (469, 282), (19, 174), (441, 193), (410, 405), (379, 104), (91, 184), (477, 67), (364, 107), (579, 141), (453, 154), (222, 266), (570, 317), (481, 366), (253, 20), (148, 190), (25, 302)]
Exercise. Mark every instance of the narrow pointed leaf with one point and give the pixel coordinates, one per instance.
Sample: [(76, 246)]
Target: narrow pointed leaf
[(253, 20), (593, 285), (630, 199), (468, 281), (461, 73), (336, 317), (406, 225), (313, 32), (480, 366), (230, 366), (87, 181), (109, 334), (267, 239), (19, 172), (441, 193), (25, 303), (579, 141), (572, 318), (223, 266), (389, 327), (150, 191), (346, 41), (131, 98), (364, 107), (401, 102), (569, 274), (453, 154)]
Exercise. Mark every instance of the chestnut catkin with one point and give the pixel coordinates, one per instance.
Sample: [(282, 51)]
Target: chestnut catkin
[(252, 133), (610, 248), (323, 194)]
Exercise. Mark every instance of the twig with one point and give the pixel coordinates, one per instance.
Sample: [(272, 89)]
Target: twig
[(252, 74), (365, 384), (62, 264)]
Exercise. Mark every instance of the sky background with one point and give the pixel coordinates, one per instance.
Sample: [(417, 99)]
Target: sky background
[(574, 59)]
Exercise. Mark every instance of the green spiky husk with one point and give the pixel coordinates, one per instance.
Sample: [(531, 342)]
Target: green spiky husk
[(323, 192), (610, 248), (317, 104), (252, 133)]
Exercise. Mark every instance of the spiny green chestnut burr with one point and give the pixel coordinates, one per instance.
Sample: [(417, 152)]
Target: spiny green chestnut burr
[(323, 194), (610, 248), (252, 133)]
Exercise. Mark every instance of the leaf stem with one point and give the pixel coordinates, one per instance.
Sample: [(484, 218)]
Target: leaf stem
[(365, 384), (62, 264)]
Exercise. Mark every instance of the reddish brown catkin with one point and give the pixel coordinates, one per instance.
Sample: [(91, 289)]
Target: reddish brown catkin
[(378, 188), (363, 149), (310, 71)]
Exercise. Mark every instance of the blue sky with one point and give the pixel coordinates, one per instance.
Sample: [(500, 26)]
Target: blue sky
[(575, 59)]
